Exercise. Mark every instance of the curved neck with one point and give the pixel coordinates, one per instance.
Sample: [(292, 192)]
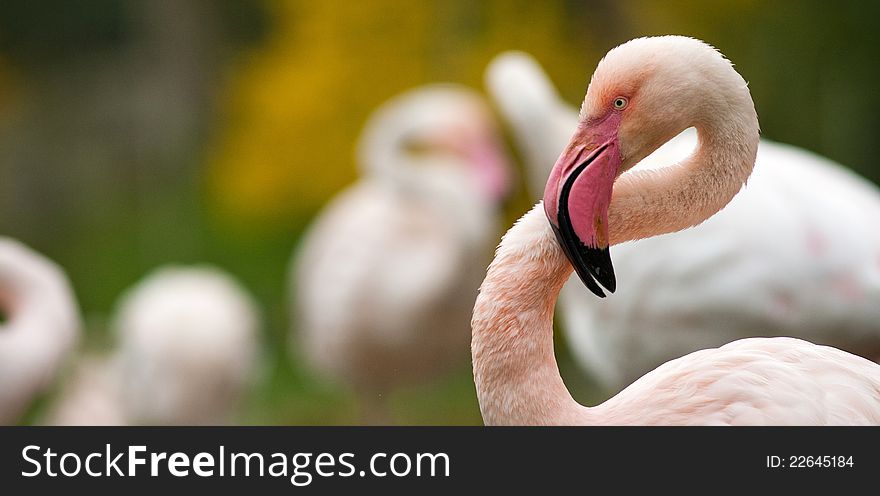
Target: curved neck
[(652, 202), (515, 370)]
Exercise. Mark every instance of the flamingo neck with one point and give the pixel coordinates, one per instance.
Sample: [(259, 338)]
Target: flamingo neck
[(515, 371), (652, 202)]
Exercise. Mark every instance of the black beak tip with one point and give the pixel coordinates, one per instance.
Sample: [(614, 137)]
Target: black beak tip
[(593, 265), (598, 262), (590, 283)]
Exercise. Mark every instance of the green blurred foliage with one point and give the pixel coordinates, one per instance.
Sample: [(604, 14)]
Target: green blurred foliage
[(134, 134)]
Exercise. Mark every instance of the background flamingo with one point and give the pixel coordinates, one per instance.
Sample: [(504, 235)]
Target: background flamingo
[(796, 253), (188, 346), (386, 278), (39, 326), (187, 352), (642, 94)]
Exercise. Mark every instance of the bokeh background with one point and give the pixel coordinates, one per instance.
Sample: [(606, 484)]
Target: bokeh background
[(139, 133)]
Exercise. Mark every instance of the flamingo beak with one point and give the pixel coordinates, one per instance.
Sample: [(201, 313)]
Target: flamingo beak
[(576, 202)]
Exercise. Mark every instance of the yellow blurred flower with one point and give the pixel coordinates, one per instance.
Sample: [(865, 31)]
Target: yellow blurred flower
[(296, 105)]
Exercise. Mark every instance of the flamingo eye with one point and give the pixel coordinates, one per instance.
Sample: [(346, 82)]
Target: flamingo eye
[(620, 103)]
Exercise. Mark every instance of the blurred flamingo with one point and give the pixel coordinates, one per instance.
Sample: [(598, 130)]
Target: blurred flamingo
[(187, 352), (796, 253), (642, 94), (39, 326), (188, 347), (386, 278)]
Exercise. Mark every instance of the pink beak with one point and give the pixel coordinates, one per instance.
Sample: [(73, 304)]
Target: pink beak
[(577, 197)]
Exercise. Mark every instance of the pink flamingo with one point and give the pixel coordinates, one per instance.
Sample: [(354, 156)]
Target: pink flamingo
[(809, 269), (642, 94), (385, 280), (187, 353)]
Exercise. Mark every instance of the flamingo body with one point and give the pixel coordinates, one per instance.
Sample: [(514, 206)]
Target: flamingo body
[(753, 381), (188, 344), (408, 266)]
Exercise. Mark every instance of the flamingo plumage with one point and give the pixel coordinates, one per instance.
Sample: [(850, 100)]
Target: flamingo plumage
[(40, 326), (386, 277), (796, 253), (642, 94)]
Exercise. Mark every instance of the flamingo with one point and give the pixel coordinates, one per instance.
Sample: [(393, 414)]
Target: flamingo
[(188, 347), (642, 94), (796, 253), (39, 326), (386, 277), (187, 350)]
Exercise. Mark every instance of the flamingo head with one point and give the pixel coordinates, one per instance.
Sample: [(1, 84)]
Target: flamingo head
[(641, 95), (447, 122)]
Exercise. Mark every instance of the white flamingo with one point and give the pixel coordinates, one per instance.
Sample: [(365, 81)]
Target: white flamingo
[(188, 347), (187, 351), (795, 253), (642, 94), (386, 277), (39, 328)]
